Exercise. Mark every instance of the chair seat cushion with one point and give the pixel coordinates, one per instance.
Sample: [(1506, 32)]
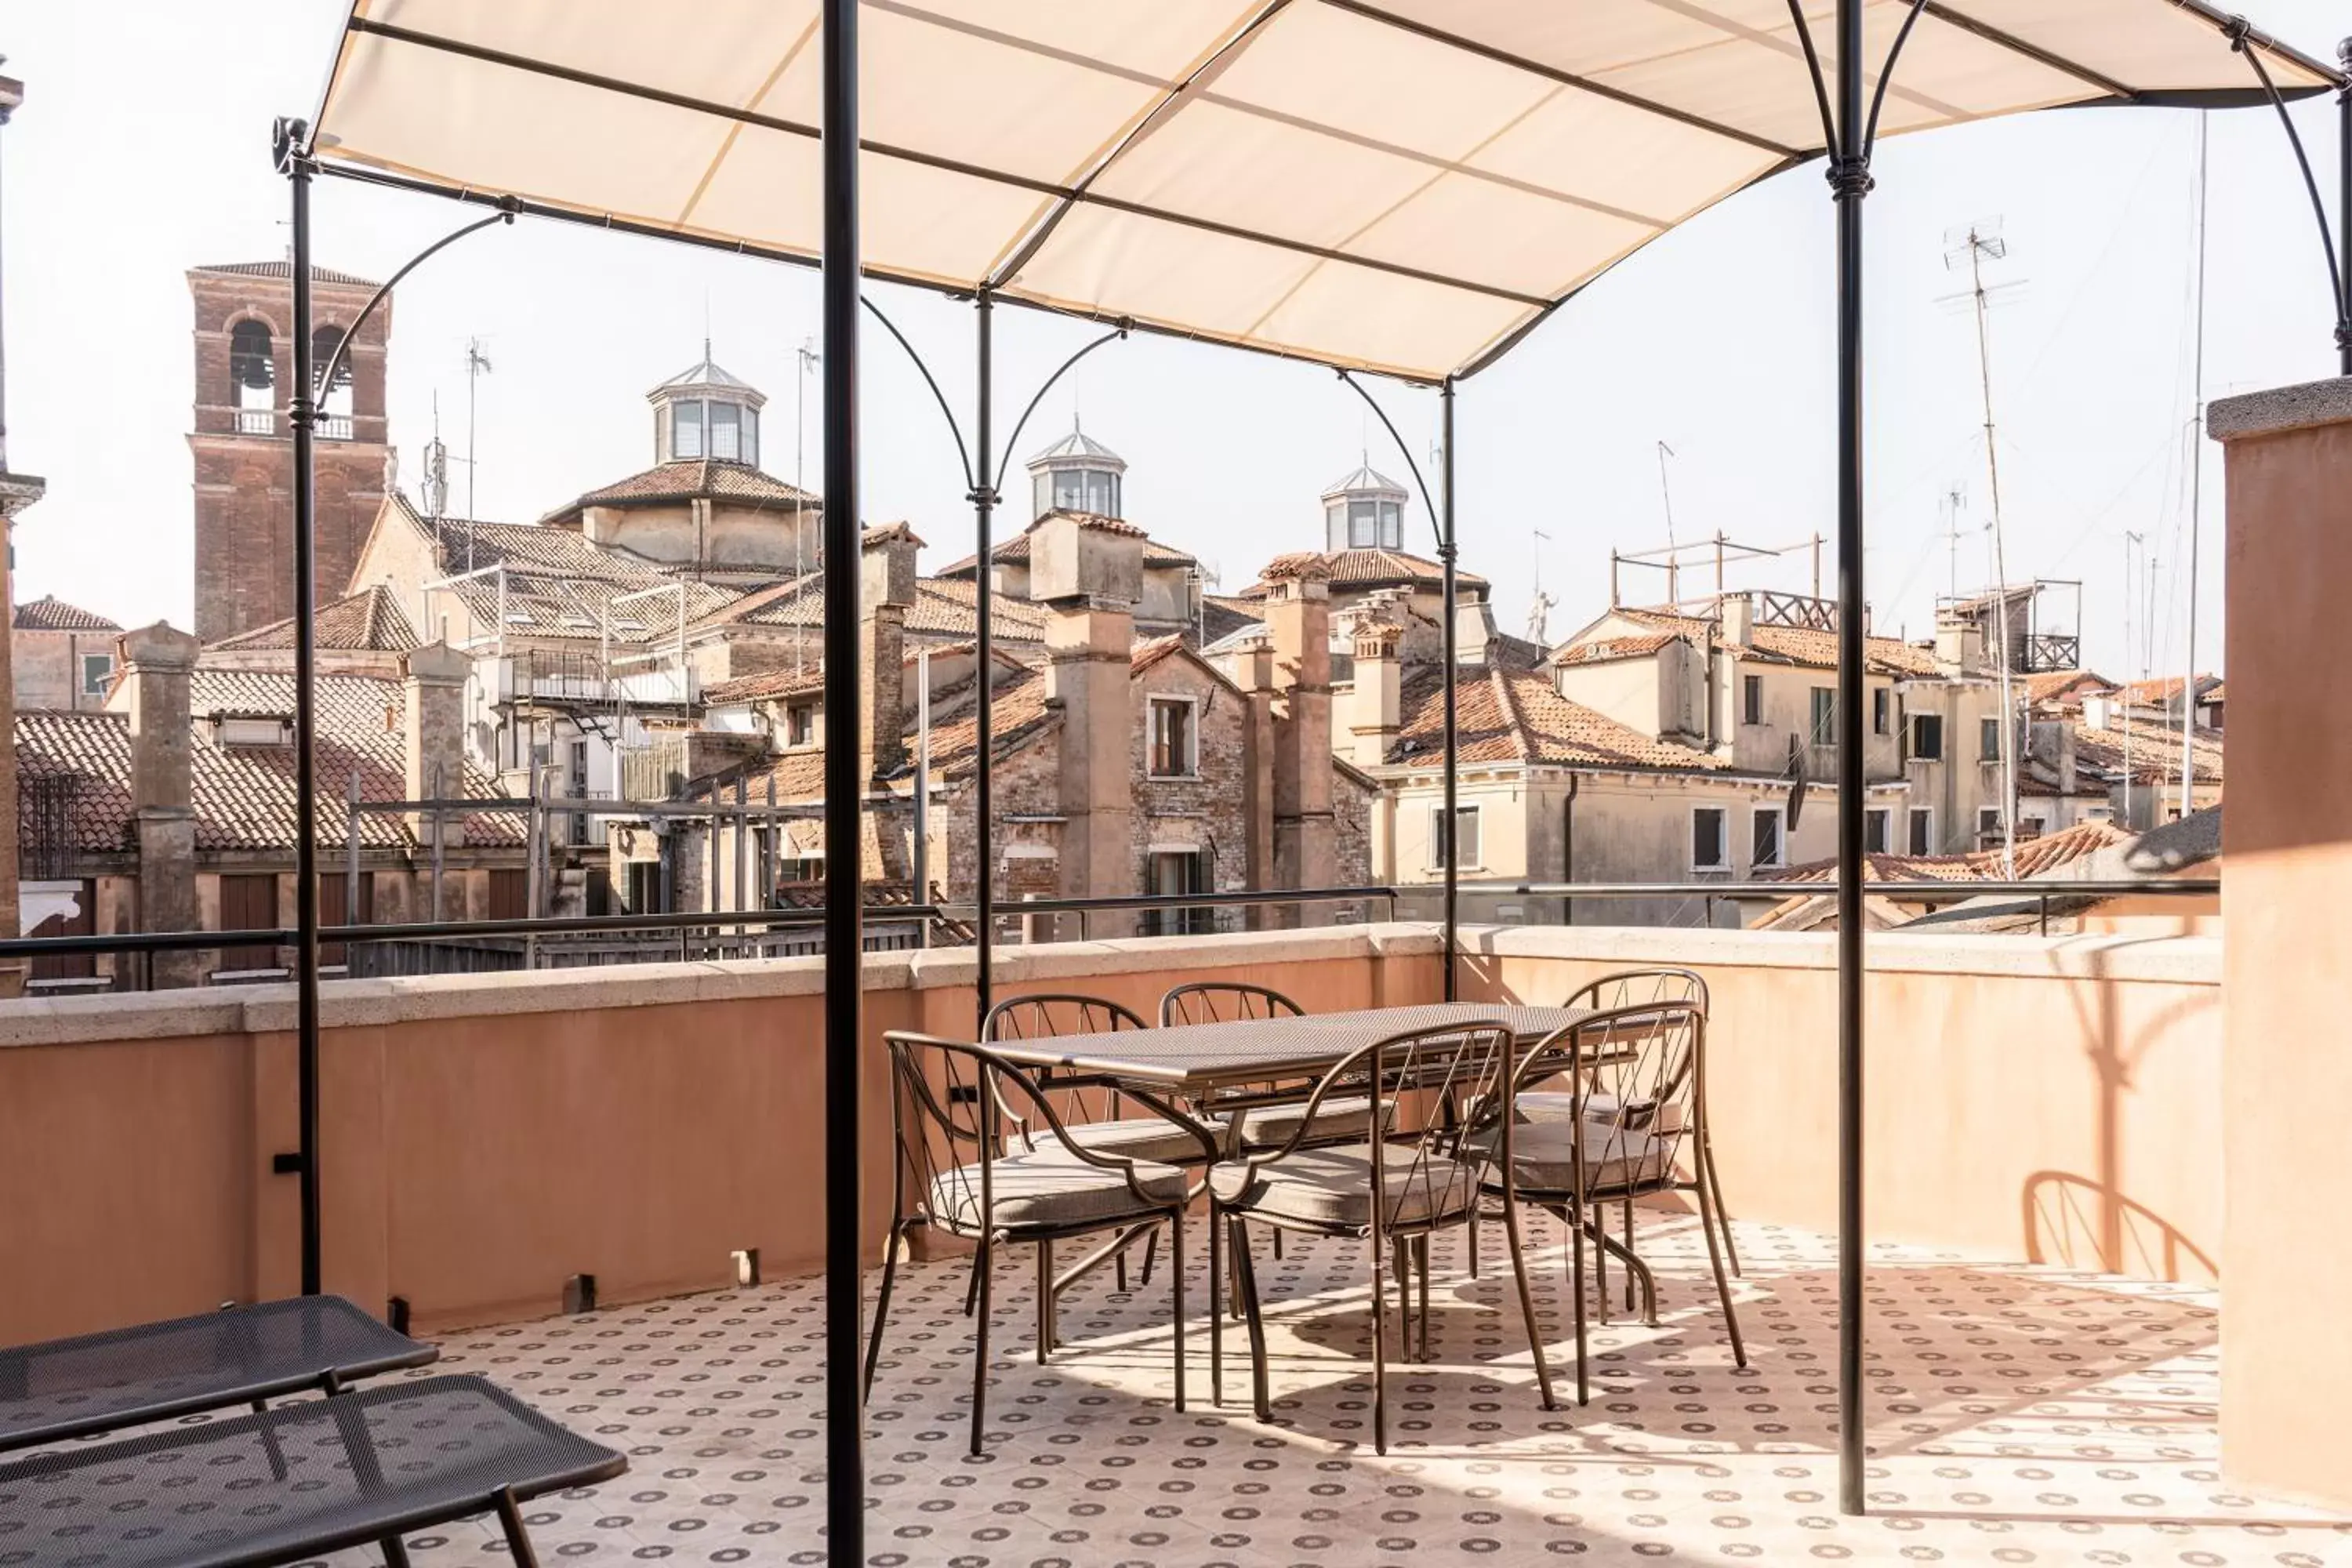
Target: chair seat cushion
[(1334, 1187), (1543, 1158), (1335, 1121), (1053, 1189), (1133, 1138), (1557, 1105)]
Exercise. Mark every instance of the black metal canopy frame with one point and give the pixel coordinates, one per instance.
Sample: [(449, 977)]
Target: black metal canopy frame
[(1849, 117)]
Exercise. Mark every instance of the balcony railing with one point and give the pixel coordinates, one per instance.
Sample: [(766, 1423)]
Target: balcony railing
[(335, 427), (257, 422)]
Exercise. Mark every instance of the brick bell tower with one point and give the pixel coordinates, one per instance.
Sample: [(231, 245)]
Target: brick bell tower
[(244, 449)]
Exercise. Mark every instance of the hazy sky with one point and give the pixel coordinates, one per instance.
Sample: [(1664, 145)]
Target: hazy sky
[(142, 150)]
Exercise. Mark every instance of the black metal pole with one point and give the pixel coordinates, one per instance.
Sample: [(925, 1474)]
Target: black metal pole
[(844, 790), (984, 515), (1850, 179), (2344, 209), (301, 408), (1446, 556)]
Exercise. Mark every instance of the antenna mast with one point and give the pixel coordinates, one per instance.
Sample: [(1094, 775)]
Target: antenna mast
[(2130, 540), (1674, 560), (477, 365), (2196, 483), (1979, 241)]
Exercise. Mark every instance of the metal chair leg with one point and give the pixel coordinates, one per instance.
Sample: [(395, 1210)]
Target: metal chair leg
[(1722, 1210), (1045, 1301), (980, 1351), (971, 1286), (1628, 1208), (1175, 1289), (517, 1538), (1150, 1251), (1421, 1256), (1380, 1350), (395, 1553), (1216, 1304), (1574, 1226), (1527, 1300), (882, 1303), (1401, 1249), (1722, 1285), (1253, 1312)]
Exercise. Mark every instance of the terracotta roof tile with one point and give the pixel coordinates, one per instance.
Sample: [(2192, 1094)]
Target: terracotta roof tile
[(1014, 550), (2155, 750), (286, 269), (370, 619), (1610, 649), (1514, 715), (1355, 568), (687, 478), (942, 608), (2035, 858), (764, 686), (242, 796), (2055, 685), (51, 614)]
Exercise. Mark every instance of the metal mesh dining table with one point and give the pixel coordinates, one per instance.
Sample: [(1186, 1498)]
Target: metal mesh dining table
[(1199, 1060)]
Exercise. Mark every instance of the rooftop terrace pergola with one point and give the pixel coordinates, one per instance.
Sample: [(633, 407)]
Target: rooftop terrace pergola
[(1404, 189)]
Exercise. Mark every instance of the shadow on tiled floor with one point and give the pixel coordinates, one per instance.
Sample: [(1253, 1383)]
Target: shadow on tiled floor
[(2019, 1417)]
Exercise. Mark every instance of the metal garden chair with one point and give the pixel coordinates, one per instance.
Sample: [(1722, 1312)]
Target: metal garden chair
[(1634, 1081), (1392, 1192), (954, 1110)]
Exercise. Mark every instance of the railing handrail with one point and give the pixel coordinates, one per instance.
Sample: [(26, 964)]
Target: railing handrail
[(712, 920)]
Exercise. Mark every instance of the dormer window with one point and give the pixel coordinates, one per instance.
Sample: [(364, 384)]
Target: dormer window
[(251, 730)]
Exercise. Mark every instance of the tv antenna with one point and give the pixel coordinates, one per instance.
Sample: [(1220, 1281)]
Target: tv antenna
[(1973, 245), (478, 365)]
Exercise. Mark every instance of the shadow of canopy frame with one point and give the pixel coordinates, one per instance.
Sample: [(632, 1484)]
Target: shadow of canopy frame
[(1322, 180)]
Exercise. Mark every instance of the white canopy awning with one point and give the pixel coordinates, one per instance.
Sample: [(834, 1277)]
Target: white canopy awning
[(1401, 187)]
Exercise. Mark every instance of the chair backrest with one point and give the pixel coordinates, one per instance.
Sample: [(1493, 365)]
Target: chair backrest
[(954, 1107), (1078, 1099), (1637, 988), (1036, 1017), (1216, 1001), (1426, 1087), (1637, 1076)]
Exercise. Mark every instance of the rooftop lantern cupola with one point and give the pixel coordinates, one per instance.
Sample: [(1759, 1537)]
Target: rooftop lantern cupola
[(703, 412), (1364, 511), (1077, 473)]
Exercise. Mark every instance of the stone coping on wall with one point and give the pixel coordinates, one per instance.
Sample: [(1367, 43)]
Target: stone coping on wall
[(349, 1003), (2275, 410)]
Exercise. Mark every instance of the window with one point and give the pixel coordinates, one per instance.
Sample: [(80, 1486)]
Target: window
[(1988, 823), (1392, 525), (726, 432), (800, 724), (1764, 837), (1989, 740), (1928, 738), (1173, 872), (1923, 830), (1875, 822), (1363, 525), (686, 430), (750, 452), (1882, 710), (249, 902), (96, 671), (1824, 717), (1751, 699), (510, 894), (1466, 819), (1710, 850), (1173, 753), (2033, 828)]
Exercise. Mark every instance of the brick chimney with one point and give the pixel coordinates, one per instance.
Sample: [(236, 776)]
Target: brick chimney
[(156, 662), (1959, 644), (1252, 669), (886, 578), (1738, 619), (1298, 625), (1088, 572), (433, 734), (1378, 704)]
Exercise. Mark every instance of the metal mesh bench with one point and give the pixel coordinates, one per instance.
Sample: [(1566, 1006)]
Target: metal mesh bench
[(295, 1482), (99, 1382)]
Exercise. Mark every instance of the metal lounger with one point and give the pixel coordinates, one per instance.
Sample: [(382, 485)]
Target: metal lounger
[(125, 1377), (296, 1482)]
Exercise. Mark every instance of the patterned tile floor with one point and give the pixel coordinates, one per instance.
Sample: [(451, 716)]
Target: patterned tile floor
[(2020, 1416)]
